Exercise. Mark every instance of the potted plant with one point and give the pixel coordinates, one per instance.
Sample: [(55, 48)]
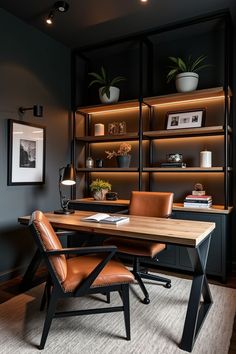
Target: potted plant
[(122, 155), (185, 73), (99, 188), (108, 93)]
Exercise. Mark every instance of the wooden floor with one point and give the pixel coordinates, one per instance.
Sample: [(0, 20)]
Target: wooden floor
[(11, 288)]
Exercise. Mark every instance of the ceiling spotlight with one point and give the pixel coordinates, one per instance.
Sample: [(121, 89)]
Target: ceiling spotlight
[(144, 0), (60, 6)]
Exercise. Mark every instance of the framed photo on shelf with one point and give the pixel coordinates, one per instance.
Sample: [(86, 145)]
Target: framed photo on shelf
[(26, 153), (185, 119)]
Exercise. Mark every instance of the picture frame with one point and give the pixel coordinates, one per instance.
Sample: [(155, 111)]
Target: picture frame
[(26, 153), (185, 119)]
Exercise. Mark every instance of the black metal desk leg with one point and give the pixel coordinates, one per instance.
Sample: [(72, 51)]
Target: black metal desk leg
[(30, 271), (197, 310)]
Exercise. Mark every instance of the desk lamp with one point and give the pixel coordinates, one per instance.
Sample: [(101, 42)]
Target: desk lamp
[(67, 177)]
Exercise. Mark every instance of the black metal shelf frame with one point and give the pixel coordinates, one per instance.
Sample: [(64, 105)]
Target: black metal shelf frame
[(143, 39)]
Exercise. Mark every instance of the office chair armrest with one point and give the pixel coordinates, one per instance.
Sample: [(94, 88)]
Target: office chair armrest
[(83, 250)]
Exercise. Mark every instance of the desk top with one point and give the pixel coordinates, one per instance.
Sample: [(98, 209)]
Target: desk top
[(171, 231)]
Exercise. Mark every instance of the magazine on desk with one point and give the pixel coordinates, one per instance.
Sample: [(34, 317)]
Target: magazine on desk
[(106, 219)]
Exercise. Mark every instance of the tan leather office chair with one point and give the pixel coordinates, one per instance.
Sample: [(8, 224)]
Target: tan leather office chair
[(157, 204), (91, 271)]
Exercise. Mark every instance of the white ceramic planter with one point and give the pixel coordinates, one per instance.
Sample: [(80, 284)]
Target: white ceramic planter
[(100, 195), (186, 82), (114, 95)]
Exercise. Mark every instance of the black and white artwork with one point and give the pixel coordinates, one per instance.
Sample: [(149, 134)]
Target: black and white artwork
[(26, 155), (185, 119)]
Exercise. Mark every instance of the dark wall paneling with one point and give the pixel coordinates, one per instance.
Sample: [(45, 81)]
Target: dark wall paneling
[(33, 69)]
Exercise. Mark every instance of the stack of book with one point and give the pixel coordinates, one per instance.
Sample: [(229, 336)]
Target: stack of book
[(198, 201), (173, 164)]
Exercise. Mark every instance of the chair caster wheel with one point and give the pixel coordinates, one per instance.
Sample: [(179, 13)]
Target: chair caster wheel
[(168, 285), (146, 301)]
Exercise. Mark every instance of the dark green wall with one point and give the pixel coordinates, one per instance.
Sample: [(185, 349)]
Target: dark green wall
[(33, 69)]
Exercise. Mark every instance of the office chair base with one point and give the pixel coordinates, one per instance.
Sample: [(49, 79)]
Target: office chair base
[(146, 301)]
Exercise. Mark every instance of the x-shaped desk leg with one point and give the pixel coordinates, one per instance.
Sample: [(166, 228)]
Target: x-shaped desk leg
[(197, 309)]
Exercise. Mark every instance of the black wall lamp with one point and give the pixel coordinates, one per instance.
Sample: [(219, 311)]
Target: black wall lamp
[(37, 110), (59, 6), (67, 177)]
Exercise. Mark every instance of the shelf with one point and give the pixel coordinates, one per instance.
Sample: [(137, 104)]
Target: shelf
[(108, 169), (217, 209), (123, 105), (206, 94), (181, 170), (103, 138), (166, 134)]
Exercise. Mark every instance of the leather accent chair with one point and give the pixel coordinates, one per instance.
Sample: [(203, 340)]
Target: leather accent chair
[(91, 271), (156, 204)]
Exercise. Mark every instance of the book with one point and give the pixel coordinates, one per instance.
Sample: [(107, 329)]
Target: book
[(106, 219), (197, 205), (198, 197), (194, 201)]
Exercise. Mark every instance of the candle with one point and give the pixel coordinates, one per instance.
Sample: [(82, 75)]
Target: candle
[(98, 129), (205, 158)]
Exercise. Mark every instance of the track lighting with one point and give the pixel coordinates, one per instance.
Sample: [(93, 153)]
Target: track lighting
[(37, 110), (60, 6)]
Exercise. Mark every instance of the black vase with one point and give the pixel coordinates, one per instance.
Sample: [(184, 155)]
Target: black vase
[(123, 161)]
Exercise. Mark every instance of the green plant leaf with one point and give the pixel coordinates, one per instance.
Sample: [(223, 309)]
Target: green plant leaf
[(171, 74), (197, 62), (106, 91), (175, 60), (117, 79), (95, 82), (181, 65)]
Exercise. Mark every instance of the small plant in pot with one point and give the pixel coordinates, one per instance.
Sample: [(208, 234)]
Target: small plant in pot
[(185, 73), (122, 155), (108, 92), (100, 188)]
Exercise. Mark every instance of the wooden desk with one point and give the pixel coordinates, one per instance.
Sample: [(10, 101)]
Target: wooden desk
[(194, 235)]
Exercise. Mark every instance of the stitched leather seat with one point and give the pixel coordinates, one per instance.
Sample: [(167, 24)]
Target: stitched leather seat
[(156, 204), (91, 271)]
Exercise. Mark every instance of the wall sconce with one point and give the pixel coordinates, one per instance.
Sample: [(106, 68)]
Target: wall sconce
[(60, 6), (37, 110), (67, 177)]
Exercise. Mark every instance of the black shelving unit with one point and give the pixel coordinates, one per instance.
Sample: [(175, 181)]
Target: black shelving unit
[(146, 100)]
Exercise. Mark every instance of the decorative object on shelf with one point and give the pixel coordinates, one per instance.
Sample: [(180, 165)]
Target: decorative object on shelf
[(173, 164), (185, 73), (98, 129), (26, 154), (111, 196), (175, 157), (185, 119), (205, 159), (198, 189), (100, 188), (99, 163), (67, 177), (89, 162), (108, 93), (113, 128), (37, 110), (122, 156), (117, 128)]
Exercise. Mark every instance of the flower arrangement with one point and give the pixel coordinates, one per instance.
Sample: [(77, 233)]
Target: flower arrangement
[(123, 150), (99, 184)]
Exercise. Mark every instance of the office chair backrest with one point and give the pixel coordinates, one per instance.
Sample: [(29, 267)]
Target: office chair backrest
[(48, 240), (157, 204)]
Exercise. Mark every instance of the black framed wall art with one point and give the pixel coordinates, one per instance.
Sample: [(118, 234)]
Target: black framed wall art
[(26, 153)]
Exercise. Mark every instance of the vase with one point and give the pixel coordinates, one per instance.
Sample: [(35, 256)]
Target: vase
[(100, 195), (114, 95), (186, 82), (123, 161)]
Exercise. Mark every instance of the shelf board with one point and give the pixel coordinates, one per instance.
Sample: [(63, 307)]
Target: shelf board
[(180, 169), (165, 134), (102, 138), (108, 169), (131, 104), (217, 209), (210, 93)]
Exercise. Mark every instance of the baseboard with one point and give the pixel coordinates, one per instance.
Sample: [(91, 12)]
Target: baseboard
[(5, 276)]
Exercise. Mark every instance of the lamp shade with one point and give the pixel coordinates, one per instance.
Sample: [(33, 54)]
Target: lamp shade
[(68, 177)]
